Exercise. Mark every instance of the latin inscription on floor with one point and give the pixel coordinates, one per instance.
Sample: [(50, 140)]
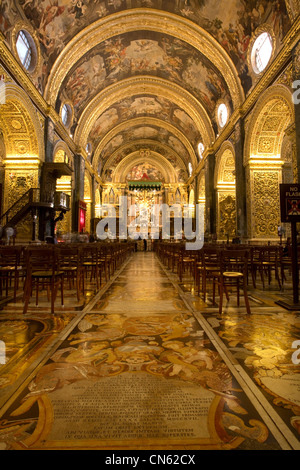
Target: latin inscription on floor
[(131, 406)]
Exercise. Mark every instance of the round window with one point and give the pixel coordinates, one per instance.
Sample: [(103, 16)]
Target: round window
[(66, 114), (261, 52), (26, 50), (200, 150), (88, 148), (222, 114)]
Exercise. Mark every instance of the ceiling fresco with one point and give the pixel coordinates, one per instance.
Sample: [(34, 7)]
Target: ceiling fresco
[(139, 51), (168, 147), (152, 148), (143, 106), (144, 171), (58, 21), (230, 22), (143, 53)]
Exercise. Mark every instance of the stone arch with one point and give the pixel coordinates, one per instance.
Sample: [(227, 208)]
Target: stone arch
[(65, 184), (269, 121), (62, 153), (139, 86), (21, 127), (107, 27), (150, 122), (266, 130), (225, 192), (156, 160), (24, 150)]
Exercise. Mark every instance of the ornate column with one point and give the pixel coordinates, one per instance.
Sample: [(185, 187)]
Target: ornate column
[(49, 140), (296, 81), (79, 168), (93, 205), (240, 181)]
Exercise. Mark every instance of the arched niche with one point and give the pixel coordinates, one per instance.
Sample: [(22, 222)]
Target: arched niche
[(23, 141), (225, 192), (159, 162), (64, 184), (265, 135)]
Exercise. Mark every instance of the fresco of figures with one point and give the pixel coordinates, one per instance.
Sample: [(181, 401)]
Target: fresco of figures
[(58, 21), (143, 106), (136, 54)]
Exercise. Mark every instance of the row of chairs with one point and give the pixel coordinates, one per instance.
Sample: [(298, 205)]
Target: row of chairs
[(226, 265), (53, 267)]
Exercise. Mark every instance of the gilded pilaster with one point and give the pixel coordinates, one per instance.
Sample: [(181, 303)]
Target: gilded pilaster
[(210, 196), (240, 178), (296, 78), (263, 201), (79, 170)]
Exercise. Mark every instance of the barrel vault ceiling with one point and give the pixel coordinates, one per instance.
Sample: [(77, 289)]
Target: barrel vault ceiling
[(144, 77)]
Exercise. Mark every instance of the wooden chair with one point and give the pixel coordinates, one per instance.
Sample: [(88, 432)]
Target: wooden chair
[(175, 260), (267, 260), (255, 254), (208, 265), (233, 273), (42, 270), (111, 258), (11, 269), (70, 263), (91, 262), (186, 262)]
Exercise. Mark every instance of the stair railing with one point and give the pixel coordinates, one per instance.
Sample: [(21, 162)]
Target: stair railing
[(32, 195)]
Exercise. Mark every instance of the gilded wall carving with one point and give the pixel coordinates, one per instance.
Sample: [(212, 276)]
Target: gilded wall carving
[(226, 197), (266, 126), (265, 156), (17, 183), (263, 205), (226, 227)]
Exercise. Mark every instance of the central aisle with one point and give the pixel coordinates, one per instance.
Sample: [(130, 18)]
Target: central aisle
[(138, 371)]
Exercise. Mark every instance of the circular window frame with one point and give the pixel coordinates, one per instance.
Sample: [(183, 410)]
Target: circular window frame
[(69, 120), (219, 104), (262, 29), (200, 152), (34, 45)]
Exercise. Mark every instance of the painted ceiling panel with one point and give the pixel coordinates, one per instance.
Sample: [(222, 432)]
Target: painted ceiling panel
[(143, 106), (145, 132), (144, 53), (230, 22)]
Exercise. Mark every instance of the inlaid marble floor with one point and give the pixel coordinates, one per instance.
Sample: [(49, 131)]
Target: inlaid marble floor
[(147, 364)]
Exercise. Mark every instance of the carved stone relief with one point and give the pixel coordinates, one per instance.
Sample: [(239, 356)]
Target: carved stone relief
[(226, 227), (264, 205)]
